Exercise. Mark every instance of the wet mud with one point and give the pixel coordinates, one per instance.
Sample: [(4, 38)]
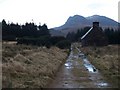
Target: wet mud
[(78, 72)]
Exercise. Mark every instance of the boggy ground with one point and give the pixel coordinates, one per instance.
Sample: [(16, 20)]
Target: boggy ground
[(106, 60), (74, 74), (29, 66)]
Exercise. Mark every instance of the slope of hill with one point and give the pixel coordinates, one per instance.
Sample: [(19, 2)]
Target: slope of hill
[(76, 22), (73, 22), (56, 33), (104, 21)]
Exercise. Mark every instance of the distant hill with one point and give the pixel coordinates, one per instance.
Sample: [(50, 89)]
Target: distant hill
[(104, 21), (56, 33), (74, 22), (77, 22)]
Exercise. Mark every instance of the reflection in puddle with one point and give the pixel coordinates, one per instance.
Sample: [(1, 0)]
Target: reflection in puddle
[(71, 63), (75, 56), (89, 66), (90, 69), (81, 54), (102, 84), (68, 65)]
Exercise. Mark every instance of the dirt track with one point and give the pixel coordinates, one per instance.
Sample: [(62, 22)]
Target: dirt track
[(78, 72)]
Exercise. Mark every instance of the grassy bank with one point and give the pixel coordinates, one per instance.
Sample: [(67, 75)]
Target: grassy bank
[(30, 66), (106, 60)]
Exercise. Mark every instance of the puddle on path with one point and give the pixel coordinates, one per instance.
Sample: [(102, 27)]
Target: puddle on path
[(87, 64), (102, 84), (68, 65), (78, 72), (91, 69)]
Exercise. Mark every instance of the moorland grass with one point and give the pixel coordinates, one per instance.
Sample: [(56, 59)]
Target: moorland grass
[(30, 66), (105, 59)]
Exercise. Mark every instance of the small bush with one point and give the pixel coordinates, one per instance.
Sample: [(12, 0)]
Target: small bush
[(44, 41), (41, 41), (55, 39), (64, 44)]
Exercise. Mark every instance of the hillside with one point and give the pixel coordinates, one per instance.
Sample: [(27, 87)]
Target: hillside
[(56, 33), (76, 22)]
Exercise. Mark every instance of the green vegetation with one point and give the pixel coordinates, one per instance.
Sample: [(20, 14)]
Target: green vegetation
[(47, 41), (112, 35), (64, 44), (31, 34)]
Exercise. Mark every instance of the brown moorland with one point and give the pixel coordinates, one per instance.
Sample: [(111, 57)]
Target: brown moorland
[(106, 60), (30, 66)]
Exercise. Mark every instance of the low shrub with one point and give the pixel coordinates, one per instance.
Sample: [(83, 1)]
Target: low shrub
[(64, 44)]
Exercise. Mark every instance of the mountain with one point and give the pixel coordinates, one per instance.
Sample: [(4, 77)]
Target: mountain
[(104, 21), (76, 22)]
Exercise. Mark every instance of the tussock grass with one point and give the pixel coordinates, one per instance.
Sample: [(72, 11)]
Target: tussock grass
[(30, 66), (106, 60)]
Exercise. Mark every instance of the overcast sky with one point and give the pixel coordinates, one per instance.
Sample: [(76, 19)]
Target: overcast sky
[(55, 12)]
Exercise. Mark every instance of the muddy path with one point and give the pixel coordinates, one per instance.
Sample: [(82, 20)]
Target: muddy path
[(78, 72)]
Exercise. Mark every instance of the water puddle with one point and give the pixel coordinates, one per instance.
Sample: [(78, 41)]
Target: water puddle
[(92, 69), (102, 84), (75, 57), (68, 65), (79, 73), (87, 64)]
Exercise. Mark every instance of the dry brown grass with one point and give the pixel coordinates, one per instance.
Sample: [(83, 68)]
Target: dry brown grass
[(30, 66), (106, 60)]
